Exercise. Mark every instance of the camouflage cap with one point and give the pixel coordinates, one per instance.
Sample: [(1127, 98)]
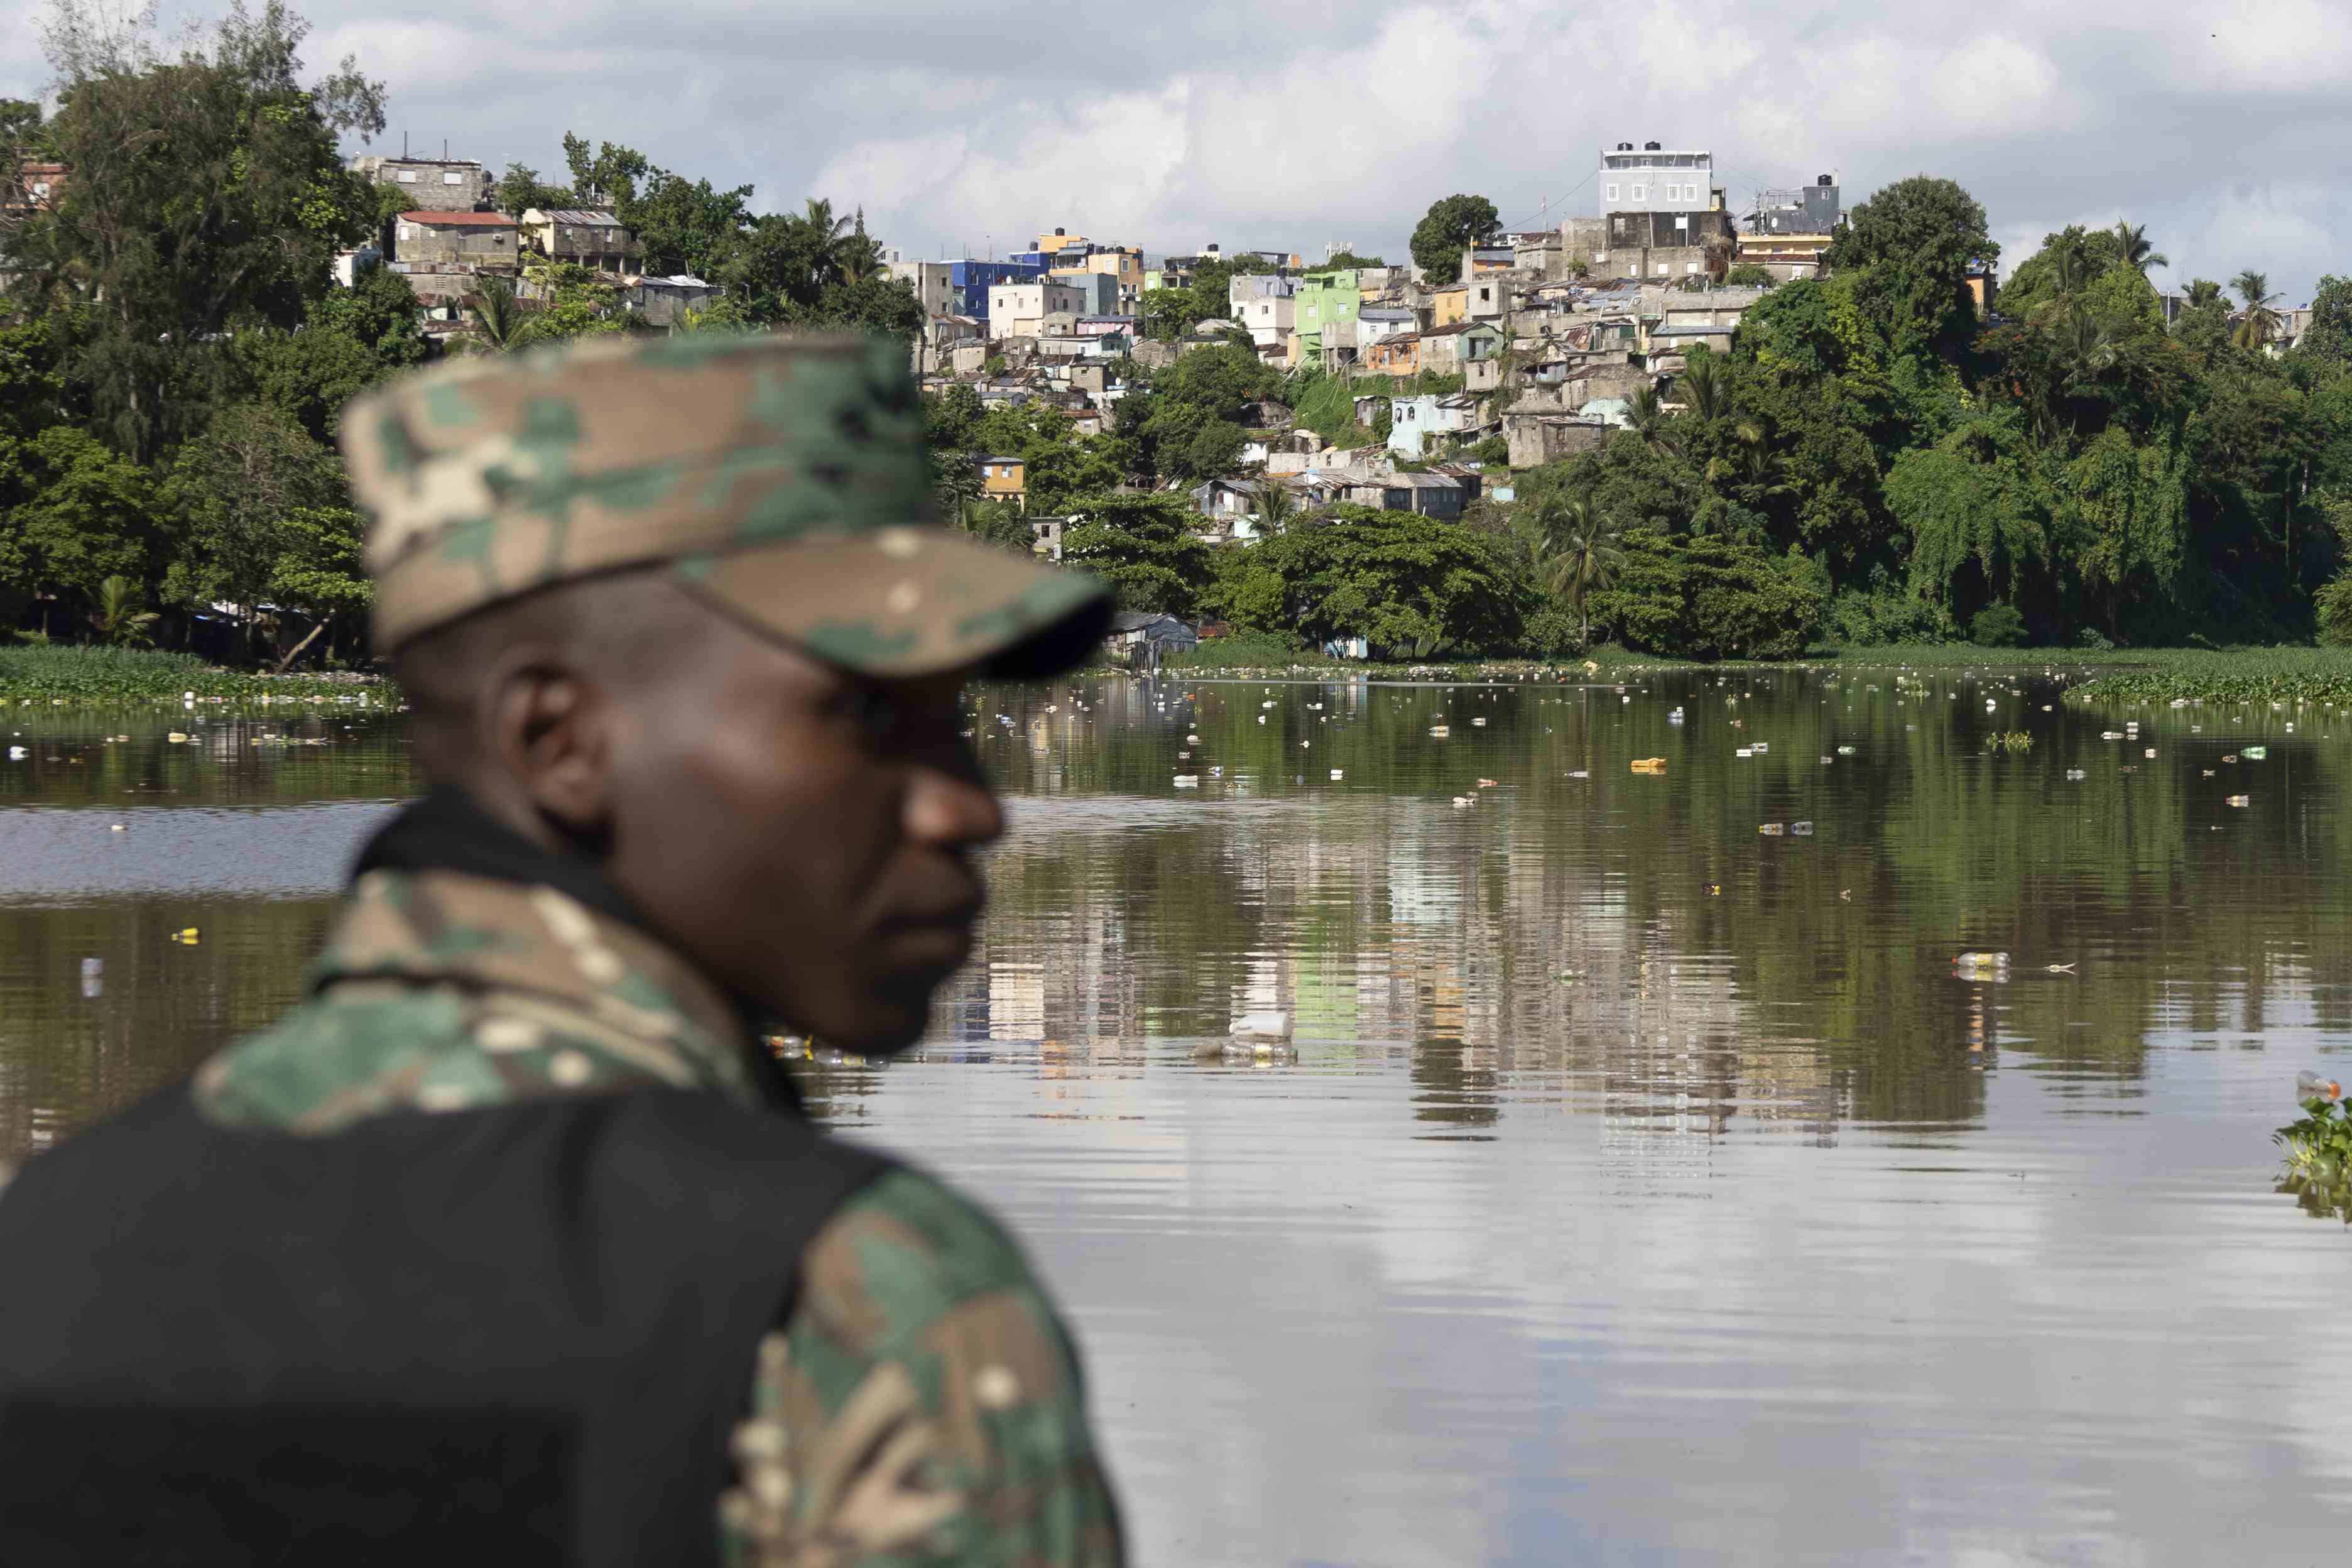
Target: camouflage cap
[(784, 477)]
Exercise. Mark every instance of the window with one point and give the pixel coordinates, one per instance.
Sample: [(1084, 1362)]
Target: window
[(1690, 267), (1613, 192), (406, 177), (451, 177), (1641, 192), (1485, 293)]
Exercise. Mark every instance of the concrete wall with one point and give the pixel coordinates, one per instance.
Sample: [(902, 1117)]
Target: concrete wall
[(1535, 439), (478, 244), (430, 185)]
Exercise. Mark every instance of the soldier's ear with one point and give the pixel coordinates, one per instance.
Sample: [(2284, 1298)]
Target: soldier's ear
[(551, 727)]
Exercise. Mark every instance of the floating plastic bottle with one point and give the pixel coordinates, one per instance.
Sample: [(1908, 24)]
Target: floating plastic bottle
[(93, 973), (2255, 753), (2310, 1086)]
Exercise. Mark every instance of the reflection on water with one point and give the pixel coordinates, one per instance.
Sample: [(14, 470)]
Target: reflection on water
[(1644, 1186)]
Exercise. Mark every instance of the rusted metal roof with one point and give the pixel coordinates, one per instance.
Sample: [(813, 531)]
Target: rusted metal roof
[(461, 220)]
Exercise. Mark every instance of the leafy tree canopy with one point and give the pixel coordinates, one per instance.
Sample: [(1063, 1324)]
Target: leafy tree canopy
[(1451, 223)]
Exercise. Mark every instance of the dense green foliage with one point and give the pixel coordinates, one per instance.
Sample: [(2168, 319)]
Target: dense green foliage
[(95, 673), (1699, 596), (1451, 223), (175, 353)]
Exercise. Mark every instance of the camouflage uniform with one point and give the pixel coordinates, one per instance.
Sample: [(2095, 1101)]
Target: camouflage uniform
[(921, 1402)]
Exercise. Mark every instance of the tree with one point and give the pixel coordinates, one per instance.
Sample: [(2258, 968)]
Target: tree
[(1407, 585), (1346, 259), (1920, 236), (83, 514), (1700, 597), (121, 612), (2260, 324), (2137, 251), (1976, 519), (238, 487), (2329, 336), (1749, 275), (208, 194), (1451, 225), (1274, 507), (519, 190), (1143, 546), (498, 315), (1576, 556)]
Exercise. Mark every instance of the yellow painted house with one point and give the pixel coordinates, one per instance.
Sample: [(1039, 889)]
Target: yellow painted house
[(1450, 305), (1004, 479)]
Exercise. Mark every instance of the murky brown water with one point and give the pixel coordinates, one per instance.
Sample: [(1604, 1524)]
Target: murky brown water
[(1645, 1188)]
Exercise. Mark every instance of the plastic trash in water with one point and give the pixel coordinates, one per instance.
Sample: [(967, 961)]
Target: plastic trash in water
[(1800, 830), (1262, 1026), (1579, 773), (187, 937), (2255, 753), (16, 754), (1649, 764), (1192, 740), (2310, 1086), (2238, 800), (2075, 776), (1745, 752), (1772, 829), (1188, 781), (1845, 751), (1337, 774), (1461, 800), (1477, 723), (93, 977)]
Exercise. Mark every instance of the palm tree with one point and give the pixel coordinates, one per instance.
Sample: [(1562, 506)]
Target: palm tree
[(1703, 387), (1644, 415), (1575, 555), (498, 317), (2138, 251), (1272, 507), (834, 249), (2256, 327), (122, 616), (2203, 291)]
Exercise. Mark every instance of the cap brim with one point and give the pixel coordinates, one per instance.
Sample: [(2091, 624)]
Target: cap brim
[(910, 602)]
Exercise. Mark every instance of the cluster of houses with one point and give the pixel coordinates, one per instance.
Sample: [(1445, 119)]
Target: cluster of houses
[(453, 236), (1551, 335)]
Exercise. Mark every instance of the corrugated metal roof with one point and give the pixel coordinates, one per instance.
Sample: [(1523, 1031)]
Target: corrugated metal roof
[(460, 220), (578, 217)]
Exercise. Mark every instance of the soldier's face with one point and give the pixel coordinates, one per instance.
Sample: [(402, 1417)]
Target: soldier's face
[(806, 836)]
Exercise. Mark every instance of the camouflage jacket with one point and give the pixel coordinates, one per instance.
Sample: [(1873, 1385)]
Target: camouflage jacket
[(920, 1405)]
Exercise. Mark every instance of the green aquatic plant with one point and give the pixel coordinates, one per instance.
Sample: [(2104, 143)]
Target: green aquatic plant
[(90, 672), (2319, 1149)]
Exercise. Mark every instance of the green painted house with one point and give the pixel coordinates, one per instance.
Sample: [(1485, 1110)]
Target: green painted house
[(1324, 299)]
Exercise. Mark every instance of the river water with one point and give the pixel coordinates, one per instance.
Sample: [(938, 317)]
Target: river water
[(1645, 1187)]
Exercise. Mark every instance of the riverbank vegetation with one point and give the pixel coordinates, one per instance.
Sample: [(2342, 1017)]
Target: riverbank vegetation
[(86, 673)]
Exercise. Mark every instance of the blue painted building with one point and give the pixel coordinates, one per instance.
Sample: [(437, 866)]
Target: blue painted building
[(969, 281)]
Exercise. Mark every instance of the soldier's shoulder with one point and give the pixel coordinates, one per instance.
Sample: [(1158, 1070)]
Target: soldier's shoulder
[(362, 1048), (904, 1250)]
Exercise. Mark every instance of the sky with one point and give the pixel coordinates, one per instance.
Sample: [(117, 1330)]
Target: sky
[(2225, 128)]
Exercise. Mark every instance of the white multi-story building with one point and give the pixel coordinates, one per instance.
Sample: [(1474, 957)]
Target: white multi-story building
[(1654, 179)]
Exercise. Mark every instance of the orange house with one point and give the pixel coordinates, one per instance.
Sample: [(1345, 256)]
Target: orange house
[(1397, 355)]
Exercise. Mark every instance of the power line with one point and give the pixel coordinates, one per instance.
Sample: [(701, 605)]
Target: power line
[(1561, 199)]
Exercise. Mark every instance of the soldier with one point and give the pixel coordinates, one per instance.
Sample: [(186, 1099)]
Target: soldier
[(509, 1241)]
